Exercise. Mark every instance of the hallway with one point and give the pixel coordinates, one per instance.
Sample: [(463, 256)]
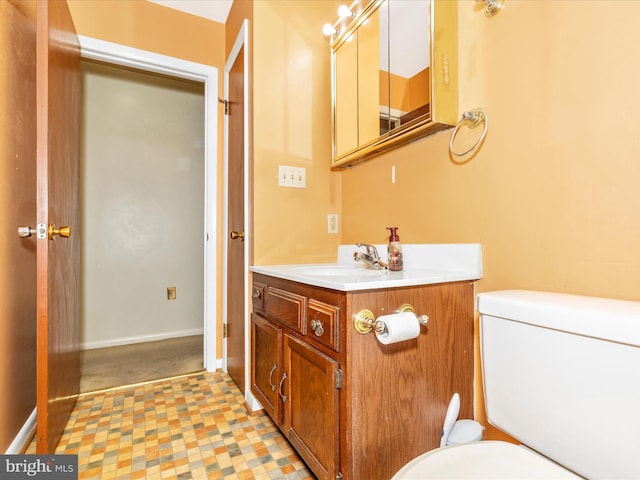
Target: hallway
[(110, 367), (189, 427)]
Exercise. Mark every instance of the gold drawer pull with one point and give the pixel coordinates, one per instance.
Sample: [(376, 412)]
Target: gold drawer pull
[(273, 385), (317, 327), (282, 395)]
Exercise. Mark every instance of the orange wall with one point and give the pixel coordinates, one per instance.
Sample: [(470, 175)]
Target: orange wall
[(419, 89), (292, 126), (153, 27), (552, 195), (407, 94)]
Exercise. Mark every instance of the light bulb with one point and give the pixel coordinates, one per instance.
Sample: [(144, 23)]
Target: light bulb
[(344, 12), (328, 29)]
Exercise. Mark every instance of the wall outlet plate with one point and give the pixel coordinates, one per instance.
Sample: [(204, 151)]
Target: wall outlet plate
[(295, 177), (171, 293), (332, 223)]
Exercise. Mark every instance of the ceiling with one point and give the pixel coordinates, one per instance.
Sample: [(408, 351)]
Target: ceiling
[(409, 11), (216, 10)]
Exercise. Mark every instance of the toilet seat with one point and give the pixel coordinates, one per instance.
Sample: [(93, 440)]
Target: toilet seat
[(482, 460)]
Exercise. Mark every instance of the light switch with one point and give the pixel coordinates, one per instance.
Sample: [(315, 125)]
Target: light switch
[(294, 177)]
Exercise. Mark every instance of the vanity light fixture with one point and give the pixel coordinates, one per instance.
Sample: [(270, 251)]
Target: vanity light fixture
[(492, 7), (345, 15), (328, 30), (345, 12)]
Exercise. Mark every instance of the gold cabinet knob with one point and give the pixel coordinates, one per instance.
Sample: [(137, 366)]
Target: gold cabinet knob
[(62, 231), (235, 235)]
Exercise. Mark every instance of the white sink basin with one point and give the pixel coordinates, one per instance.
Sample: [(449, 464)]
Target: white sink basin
[(424, 264), (337, 271)]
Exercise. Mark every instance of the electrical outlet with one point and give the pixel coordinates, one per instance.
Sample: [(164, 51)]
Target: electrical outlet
[(295, 177), (332, 223), (171, 293)]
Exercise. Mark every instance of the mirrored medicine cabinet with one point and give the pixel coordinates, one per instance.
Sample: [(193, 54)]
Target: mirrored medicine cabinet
[(394, 77)]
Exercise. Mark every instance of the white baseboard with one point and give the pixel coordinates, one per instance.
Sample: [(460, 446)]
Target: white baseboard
[(216, 366), (140, 339), (252, 403), (21, 442)]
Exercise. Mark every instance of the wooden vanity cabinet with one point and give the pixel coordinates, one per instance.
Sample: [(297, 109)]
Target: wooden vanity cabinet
[(297, 378), (352, 407)]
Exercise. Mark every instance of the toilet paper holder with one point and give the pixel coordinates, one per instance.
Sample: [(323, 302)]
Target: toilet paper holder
[(365, 321)]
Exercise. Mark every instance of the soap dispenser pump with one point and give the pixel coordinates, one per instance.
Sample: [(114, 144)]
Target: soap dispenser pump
[(394, 251)]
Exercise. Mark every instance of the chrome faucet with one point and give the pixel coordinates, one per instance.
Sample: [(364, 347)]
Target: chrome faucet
[(371, 259)]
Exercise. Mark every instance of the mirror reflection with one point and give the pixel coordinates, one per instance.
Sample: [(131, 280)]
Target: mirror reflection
[(346, 97), (382, 78), (368, 37), (405, 61)]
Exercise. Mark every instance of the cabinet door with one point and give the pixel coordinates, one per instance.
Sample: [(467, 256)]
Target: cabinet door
[(311, 408), (266, 364)]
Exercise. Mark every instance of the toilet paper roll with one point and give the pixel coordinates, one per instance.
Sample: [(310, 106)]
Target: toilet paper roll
[(398, 327)]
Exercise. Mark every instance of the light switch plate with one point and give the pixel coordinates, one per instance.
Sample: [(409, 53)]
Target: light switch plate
[(295, 177)]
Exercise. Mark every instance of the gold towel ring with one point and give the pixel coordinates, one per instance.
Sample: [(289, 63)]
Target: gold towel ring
[(471, 119)]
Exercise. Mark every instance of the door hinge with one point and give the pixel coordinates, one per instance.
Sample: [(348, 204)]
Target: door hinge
[(225, 330), (226, 105), (338, 378)]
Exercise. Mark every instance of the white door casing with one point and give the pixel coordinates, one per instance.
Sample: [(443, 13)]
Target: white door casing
[(152, 62)]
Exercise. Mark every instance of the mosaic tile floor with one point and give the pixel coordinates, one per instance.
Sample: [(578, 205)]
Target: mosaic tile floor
[(189, 427)]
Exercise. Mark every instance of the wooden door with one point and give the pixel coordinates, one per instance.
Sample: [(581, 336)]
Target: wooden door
[(235, 201), (58, 259), (312, 406), (17, 209)]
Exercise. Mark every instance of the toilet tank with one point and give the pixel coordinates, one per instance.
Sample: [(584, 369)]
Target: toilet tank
[(561, 374)]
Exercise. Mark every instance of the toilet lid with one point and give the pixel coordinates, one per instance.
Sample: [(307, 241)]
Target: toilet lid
[(482, 460)]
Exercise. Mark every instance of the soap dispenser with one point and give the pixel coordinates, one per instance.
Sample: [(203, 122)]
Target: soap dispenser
[(394, 250)]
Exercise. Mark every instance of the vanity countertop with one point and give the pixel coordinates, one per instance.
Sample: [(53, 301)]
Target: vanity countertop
[(424, 264)]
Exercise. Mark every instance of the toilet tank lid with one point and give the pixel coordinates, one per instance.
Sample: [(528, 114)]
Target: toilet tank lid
[(605, 318)]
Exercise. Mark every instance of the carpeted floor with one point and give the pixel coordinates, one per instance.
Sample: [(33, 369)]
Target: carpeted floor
[(109, 367)]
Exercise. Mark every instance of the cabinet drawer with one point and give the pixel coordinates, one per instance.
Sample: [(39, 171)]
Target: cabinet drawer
[(257, 296), (323, 324), (287, 308)]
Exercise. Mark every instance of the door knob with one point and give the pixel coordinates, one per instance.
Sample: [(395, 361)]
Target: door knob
[(24, 232), (62, 231), (41, 231), (235, 235)]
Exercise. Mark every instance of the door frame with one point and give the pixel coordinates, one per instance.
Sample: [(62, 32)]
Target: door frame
[(117, 54), (242, 41)]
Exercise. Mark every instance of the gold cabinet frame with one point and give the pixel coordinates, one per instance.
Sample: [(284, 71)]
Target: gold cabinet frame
[(443, 86)]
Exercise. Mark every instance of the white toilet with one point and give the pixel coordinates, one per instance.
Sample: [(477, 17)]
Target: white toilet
[(561, 374)]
